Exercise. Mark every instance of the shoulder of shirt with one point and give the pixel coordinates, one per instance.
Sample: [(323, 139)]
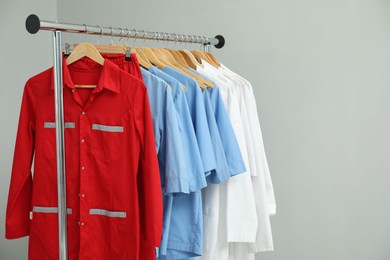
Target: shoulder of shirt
[(42, 80), (127, 82), (154, 79), (41, 76)]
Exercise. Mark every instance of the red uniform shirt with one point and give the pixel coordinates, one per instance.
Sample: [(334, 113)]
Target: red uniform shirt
[(112, 177)]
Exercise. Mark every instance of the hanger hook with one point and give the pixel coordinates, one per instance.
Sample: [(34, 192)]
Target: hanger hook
[(128, 32), (166, 37), (143, 35), (175, 38), (121, 36), (101, 33), (136, 35), (155, 35), (112, 35), (85, 28)]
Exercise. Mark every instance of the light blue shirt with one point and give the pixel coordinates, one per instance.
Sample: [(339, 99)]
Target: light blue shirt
[(199, 119), (185, 234), (229, 141), (169, 145), (191, 153), (221, 172), (182, 215)]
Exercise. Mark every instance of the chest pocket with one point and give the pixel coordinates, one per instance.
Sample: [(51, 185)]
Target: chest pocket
[(49, 145), (107, 141)]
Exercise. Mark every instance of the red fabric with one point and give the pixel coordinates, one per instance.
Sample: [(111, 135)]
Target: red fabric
[(130, 66), (120, 171)]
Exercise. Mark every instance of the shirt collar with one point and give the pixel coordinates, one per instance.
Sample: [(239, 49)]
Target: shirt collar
[(107, 77)]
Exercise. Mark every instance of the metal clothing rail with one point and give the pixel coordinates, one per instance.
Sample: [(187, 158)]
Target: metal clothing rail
[(33, 25)]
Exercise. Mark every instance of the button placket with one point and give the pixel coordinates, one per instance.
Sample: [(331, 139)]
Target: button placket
[(84, 126)]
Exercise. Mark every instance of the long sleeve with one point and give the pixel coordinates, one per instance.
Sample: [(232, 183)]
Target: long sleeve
[(19, 198), (149, 189)]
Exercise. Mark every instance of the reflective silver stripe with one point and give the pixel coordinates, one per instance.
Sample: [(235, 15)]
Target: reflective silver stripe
[(108, 128), (53, 125), (112, 214), (49, 210)]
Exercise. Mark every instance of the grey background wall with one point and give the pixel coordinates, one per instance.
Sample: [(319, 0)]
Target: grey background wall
[(320, 73), (21, 56)]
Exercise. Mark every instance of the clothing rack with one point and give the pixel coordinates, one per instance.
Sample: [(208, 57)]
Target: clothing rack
[(33, 25)]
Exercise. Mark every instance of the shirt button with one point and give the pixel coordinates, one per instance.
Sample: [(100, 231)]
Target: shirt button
[(73, 90), (83, 113), (82, 140), (82, 195), (82, 168), (80, 223)]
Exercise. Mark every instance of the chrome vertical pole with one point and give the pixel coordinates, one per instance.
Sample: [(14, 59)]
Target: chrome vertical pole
[(60, 145)]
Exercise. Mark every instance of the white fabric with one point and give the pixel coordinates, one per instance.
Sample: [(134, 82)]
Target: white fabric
[(262, 184), (230, 241), (237, 217), (261, 159)]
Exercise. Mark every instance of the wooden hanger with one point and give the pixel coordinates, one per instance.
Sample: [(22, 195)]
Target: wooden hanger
[(184, 70), (152, 58), (212, 57), (200, 55), (163, 58), (111, 48), (190, 59), (203, 83), (178, 58), (142, 59), (85, 49)]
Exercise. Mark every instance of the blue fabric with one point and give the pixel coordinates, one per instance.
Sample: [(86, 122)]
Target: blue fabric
[(191, 153), (221, 172), (183, 216), (185, 235), (199, 119), (173, 168), (229, 141)]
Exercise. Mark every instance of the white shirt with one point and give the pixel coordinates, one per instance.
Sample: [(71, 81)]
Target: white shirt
[(235, 210), (239, 92), (261, 181)]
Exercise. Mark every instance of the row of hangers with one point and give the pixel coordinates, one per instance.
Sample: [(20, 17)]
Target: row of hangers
[(180, 60)]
